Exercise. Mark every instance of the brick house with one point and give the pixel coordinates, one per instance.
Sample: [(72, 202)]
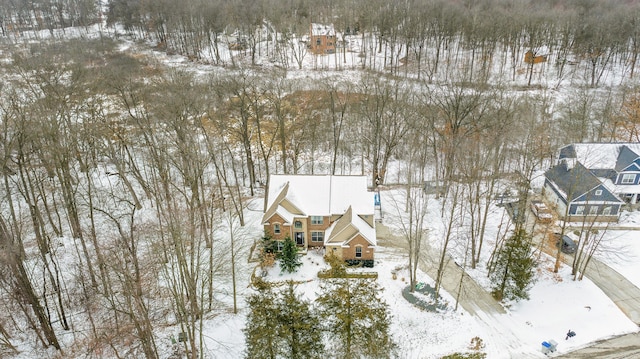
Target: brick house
[(334, 213), (322, 39)]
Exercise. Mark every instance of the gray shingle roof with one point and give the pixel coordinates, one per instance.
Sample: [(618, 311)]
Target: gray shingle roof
[(625, 158), (574, 182)]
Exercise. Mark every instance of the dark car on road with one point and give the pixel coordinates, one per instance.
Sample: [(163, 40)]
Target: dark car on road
[(568, 245)]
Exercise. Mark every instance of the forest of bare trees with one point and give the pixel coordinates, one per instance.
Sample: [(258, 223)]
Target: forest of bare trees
[(118, 171)]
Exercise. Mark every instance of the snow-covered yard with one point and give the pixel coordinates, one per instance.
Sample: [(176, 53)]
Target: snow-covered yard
[(557, 304)]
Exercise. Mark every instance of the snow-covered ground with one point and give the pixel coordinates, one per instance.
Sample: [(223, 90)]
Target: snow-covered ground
[(557, 304)]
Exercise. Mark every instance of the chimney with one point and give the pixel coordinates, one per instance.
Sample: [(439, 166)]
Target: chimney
[(569, 163)]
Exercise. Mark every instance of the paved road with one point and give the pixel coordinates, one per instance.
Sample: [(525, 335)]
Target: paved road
[(621, 291), (625, 295), (622, 347), (474, 299)]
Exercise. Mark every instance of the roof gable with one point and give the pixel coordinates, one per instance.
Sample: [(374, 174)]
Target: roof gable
[(626, 157), (348, 227), (573, 181), (604, 196), (567, 152)]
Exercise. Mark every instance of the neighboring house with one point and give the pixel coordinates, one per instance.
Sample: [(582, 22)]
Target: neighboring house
[(617, 165), (331, 212), (530, 58), (322, 39), (606, 175), (578, 195)]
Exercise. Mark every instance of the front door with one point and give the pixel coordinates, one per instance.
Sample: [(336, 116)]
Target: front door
[(299, 238)]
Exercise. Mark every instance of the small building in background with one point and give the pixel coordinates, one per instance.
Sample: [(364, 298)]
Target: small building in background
[(531, 58), (322, 39)]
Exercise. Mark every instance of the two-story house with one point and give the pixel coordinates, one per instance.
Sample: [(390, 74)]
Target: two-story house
[(323, 211), (322, 39), (617, 165), (594, 180), (578, 195)]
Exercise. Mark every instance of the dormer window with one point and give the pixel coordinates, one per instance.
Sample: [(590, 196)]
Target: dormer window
[(628, 178)]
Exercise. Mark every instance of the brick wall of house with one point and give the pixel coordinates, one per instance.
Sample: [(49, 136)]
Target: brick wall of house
[(284, 230), (350, 253), (326, 223), (323, 44)]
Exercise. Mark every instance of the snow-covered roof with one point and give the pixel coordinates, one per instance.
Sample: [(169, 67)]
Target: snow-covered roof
[(348, 227), (600, 155), (322, 29), (323, 195), (368, 232)]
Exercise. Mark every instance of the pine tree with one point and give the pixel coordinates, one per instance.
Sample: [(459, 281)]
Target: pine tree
[(262, 341), (282, 325), (514, 270), (289, 261), (356, 318), (298, 326)]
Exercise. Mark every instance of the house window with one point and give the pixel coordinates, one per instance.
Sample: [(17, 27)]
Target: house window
[(299, 238), (317, 236), (358, 252), (593, 210), (606, 211), (317, 220), (297, 224), (599, 192), (628, 178), (280, 245), (318, 42), (580, 210), (276, 228)]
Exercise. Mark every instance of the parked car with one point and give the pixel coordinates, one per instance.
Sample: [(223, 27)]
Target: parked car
[(541, 211), (568, 245)]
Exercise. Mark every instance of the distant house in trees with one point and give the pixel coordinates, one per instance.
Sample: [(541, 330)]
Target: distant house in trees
[(595, 180), (530, 58), (322, 39), (331, 212)]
